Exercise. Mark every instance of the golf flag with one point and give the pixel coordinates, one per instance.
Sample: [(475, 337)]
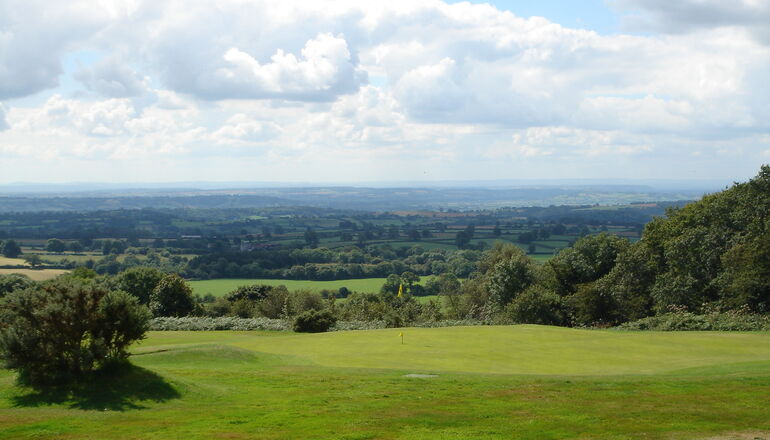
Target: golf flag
[(400, 290), (402, 337)]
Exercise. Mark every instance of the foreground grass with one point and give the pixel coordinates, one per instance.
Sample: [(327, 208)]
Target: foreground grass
[(524, 382)]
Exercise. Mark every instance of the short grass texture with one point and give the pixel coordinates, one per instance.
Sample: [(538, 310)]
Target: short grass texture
[(515, 382)]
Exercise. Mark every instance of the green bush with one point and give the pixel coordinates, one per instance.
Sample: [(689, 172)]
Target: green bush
[(64, 329), (681, 320), (314, 321), (536, 305), (11, 282)]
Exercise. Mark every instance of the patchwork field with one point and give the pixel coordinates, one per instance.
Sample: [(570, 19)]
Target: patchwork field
[(36, 274), (528, 382)]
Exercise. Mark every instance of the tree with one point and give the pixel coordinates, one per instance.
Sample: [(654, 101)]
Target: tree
[(55, 245), (589, 259), (462, 239), (11, 249), (311, 237), (140, 282), (536, 305), (75, 247), (14, 281), (64, 329), (33, 260), (510, 276), (172, 297)]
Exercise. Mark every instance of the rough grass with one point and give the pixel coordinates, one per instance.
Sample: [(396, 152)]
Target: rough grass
[(524, 382)]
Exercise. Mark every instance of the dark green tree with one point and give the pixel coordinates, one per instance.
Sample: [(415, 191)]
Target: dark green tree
[(172, 297), (55, 245), (61, 330), (11, 249), (139, 282)]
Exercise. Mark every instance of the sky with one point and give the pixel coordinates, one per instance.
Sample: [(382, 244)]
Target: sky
[(352, 91)]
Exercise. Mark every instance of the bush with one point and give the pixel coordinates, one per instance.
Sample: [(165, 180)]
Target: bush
[(536, 305), (64, 329), (681, 320), (11, 282), (192, 323), (314, 321)]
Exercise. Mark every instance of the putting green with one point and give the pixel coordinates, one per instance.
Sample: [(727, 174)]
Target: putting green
[(523, 349)]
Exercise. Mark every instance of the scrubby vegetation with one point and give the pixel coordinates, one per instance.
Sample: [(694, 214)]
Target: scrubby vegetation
[(709, 261), (58, 331)]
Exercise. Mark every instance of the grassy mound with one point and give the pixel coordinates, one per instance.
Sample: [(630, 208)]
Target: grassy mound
[(547, 383)]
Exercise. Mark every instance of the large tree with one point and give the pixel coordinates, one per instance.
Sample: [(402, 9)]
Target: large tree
[(172, 297), (11, 249)]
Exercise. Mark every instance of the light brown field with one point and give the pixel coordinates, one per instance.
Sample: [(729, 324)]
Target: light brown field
[(35, 274)]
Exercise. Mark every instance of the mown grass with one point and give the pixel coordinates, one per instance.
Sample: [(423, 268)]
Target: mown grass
[(524, 382)]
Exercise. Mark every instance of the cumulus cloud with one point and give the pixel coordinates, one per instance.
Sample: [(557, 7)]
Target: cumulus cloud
[(354, 82), (687, 15), (111, 77), (241, 128), (34, 34), (3, 122), (323, 72)]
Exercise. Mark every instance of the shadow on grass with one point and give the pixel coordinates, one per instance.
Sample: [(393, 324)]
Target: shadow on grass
[(117, 389)]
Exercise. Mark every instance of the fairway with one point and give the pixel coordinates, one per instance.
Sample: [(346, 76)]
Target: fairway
[(522, 382), (221, 287)]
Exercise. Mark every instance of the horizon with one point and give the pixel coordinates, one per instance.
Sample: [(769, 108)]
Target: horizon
[(329, 92)]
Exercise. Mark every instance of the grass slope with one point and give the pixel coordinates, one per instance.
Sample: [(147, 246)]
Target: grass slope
[(351, 385)]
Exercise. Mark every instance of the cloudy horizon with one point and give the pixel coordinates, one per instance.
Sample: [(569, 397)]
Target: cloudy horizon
[(135, 91)]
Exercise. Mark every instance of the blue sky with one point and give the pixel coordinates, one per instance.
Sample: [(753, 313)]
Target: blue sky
[(346, 91), (595, 15)]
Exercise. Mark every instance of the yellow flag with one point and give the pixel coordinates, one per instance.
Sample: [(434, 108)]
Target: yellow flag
[(400, 290), (401, 334)]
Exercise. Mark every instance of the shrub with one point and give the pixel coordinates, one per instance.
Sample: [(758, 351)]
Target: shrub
[(194, 323), (11, 282), (536, 305), (61, 330), (682, 320), (314, 321)]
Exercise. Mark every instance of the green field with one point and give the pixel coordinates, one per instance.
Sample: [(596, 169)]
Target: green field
[(523, 382), (221, 287)]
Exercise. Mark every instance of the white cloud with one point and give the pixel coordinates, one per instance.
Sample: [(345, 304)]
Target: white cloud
[(460, 84), (34, 34), (688, 15), (113, 78), (3, 122)]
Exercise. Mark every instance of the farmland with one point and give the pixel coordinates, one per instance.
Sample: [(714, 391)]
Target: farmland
[(528, 382), (221, 287)]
